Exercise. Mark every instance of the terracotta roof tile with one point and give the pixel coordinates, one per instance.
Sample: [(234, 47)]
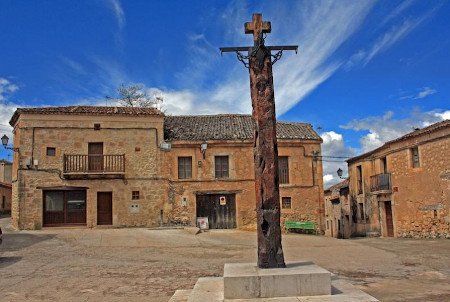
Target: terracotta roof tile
[(228, 127), (86, 110)]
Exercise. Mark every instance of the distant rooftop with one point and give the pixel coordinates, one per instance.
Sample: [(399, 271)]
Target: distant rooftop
[(338, 186), (86, 110), (415, 133), (228, 127)]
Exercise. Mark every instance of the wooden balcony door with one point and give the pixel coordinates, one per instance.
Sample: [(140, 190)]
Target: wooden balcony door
[(104, 208), (95, 154)]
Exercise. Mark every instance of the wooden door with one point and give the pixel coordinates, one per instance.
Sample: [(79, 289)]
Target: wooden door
[(389, 223), (104, 208), (219, 208), (95, 155)]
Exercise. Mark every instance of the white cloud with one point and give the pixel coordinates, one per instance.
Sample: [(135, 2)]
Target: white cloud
[(6, 88), (444, 115), (327, 178), (334, 153), (385, 128)]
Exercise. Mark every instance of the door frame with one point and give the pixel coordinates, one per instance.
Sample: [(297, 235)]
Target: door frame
[(65, 207), (110, 193), (387, 233), (214, 197)]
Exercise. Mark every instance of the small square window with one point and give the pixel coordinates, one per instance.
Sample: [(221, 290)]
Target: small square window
[(286, 203), (135, 195), (97, 126), (51, 151)]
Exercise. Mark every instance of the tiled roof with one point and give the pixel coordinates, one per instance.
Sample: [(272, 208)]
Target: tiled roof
[(86, 110), (228, 127), (338, 186), (429, 129)]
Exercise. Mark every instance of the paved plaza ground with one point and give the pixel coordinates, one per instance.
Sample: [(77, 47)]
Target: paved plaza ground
[(139, 264)]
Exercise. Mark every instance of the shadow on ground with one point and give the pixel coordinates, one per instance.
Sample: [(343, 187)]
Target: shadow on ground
[(17, 241), (7, 261)]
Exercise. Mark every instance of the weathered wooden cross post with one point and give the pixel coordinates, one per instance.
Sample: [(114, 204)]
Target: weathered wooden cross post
[(270, 251)]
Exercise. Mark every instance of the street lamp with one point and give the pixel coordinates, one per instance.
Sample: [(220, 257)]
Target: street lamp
[(5, 140), (339, 173)]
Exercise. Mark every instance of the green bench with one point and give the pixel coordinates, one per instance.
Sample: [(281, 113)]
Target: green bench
[(300, 225)]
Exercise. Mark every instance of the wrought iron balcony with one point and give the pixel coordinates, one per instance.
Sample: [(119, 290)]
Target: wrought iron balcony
[(94, 165), (380, 182)]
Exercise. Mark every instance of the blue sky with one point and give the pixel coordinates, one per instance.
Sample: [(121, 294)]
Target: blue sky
[(366, 71)]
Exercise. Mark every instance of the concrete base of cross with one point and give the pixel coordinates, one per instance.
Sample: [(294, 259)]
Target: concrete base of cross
[(299, 281)]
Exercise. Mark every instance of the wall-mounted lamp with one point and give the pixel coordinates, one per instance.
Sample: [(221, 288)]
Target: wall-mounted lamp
[(5, 140), (203, 148), (339, 173)]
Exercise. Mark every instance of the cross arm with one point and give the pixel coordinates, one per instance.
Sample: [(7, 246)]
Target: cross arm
[(249, 48)]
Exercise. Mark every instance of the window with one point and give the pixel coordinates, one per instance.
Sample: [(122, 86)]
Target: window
[(286, 203), (221, 165), (415, 157), (184, 167), (51, 151), (361, 211), (327, 225), (283, 169), (4, 202), (383, 165), (359, 179), (54, 201), (135, 195)]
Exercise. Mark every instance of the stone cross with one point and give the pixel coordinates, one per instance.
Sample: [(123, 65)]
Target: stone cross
[(270, 251)]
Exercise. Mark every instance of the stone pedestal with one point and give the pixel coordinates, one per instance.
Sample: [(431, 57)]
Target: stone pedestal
[(246, 281), (301, 281)]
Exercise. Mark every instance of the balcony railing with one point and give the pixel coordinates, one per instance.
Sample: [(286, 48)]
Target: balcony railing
[(380, 182), (94, 164)]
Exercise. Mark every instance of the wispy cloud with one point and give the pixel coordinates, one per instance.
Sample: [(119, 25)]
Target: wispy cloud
[(397, 11), (319, 28), (390, 37), (116, 7), (423, 93), (385, 128)]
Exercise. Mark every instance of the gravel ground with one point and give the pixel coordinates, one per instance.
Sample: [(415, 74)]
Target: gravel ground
[(138, 264)]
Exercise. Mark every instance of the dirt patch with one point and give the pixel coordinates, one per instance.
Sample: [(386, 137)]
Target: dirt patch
[(137, 264)]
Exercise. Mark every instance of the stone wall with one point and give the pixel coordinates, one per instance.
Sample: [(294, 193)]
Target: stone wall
[(304, 188), (164, 198), (423, 198)]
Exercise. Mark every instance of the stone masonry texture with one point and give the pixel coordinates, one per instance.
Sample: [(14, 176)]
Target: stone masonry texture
[(164, 198)]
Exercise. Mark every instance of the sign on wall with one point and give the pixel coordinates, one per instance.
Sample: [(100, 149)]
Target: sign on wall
[(223, 200)]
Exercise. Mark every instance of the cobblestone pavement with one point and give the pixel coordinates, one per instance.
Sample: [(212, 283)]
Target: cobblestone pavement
[(138, 264)]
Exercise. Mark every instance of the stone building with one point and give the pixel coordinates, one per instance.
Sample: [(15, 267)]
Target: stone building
[(5, 186), (402, 189), (127, 166), (338, 211)]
